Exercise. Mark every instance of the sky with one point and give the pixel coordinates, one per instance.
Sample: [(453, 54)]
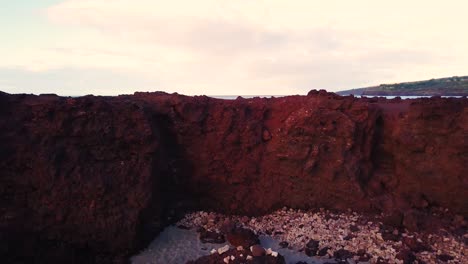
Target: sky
[(227, 47)]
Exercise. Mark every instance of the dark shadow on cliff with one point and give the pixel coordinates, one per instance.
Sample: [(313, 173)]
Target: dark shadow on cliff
[(171, 197), (383, 176)]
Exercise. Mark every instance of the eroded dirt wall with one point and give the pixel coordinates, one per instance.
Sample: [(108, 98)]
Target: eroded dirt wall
[(92, 179)]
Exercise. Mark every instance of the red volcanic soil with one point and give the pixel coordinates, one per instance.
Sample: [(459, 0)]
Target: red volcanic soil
[(93, 179)]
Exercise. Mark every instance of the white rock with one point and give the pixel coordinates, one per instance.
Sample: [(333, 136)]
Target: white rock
[(269, 251), (226, 260), (240, 248), (213, 251), (274, 254), (221, 250), (249, 257), (232, 257)]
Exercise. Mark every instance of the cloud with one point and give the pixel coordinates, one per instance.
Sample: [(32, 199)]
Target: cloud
[(256, 46), (168, 26)]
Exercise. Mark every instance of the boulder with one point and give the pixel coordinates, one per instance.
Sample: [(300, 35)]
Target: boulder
[(242, 237), (211, 237)]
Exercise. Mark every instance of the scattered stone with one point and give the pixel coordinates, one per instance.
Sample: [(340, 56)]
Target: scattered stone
[(221, 250), (283, 244), (381, 260), (322, 252), (413, 244), (361, 252), (342, 254), (391, 236), (311, 248), (242, 237), (227, 226), (233, 256), (257, 250), (406, 256), (420, 261), (365, 257), (245, 219), (444, 257), (211, 237), (373, 239), (354, 228)]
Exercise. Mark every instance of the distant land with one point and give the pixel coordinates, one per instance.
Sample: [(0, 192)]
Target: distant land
[(451, 86)]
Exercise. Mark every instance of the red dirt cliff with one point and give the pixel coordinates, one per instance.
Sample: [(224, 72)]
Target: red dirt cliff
[(93, 179)]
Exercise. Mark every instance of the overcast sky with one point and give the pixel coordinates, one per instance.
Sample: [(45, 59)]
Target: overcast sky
[(227, 47)]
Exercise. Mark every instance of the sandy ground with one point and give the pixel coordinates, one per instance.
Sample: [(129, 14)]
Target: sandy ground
[(174, 246), (177, 246)]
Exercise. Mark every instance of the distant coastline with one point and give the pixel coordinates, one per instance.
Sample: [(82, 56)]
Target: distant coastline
[(451, 86)]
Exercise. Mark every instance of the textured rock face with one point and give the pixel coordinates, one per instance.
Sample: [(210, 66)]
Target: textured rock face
[(93, 177), (420, 155), (252, 156), (317, 150), (77, 178)]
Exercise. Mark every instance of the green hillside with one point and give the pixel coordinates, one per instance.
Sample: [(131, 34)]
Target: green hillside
[(452, 86)]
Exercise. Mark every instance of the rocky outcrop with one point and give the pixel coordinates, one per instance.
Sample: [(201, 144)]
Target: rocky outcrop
[(91, 179)]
